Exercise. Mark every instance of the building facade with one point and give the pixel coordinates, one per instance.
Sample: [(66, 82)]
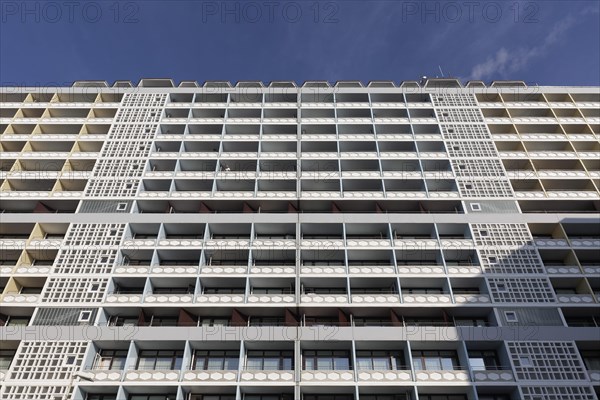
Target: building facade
[(426, 241)]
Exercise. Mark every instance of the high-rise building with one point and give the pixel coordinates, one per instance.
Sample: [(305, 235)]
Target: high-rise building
[(422, 241)]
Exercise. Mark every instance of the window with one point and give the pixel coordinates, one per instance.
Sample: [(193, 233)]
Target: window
[(442, 397), (270, 360), (123, 321), (152, 396), (591, 359), (424, 290), (475, 207), (94, 287), (432, 360), (384, 397), (216, 360), (379, 360), (481, 360), (501, 287), (329, 360), (84, 316), (214, 321), (70, 360), (101, 397), (511, 316), (525, 361), (121, 206), (492, 260), (160, 359), (110, 359)]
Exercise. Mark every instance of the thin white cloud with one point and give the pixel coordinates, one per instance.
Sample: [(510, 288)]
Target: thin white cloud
[(508, 61)]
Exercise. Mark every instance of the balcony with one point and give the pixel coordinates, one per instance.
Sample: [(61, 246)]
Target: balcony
[(446, 376), (152, 376), (220, 298), (20, 298), (270, 377), (427, 298), (210, 377)]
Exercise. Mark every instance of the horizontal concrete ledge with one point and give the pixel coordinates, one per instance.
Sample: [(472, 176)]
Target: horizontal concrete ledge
[(321, 333), (293, 218)]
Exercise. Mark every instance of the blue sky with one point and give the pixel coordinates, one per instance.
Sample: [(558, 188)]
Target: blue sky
[(545, 42)]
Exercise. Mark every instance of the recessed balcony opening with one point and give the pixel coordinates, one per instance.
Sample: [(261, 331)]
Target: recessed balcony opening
[(226, 257), (21, 185), (351, 98), (356, 146), (220, 356), (417, 98), (169, 356), (320, 166), (324, 255), (245, 130), (460, 257), (574, 129), (495, 113), (592, 165), (403, 185), (128, 285), (393, 129), (168, 146), (61, 129), (441, 185), (208, 113), (421, 129), (424, 286), (523, 97), (557, 165), (582, 316), (208, 97), (222, 285), (431, 147), (178, 257), (324, 317), (267, 166), (435, 356), (367, 231), (12, 97), (172, 285), (68, 112), (389, 113), (172, 129), (436, 166), (387, 98), (526, 185), (421, 113), (319, 147), (271, 286), (181, 97), (510, 146), (40, 97), (244, 113), (412, 231), (360, 165), (184, 231), (502, 129), (571, 286), (198, 165), (103, 113), (278, 147), (70, 185), (322, 231), (318, 113), (317, 130), (54, 146), (588, 146), (7, 164), (8, 112), (403, 166), (538, 129), (280, 113), (394, 147), (245, 168), (319, 356), (317, 96), (281, 97), (15, 231), (373, 286), (12, 146), (272, 256), (110, 97), (558, 258), (468, 286), (416, 258), (268, 130), (276, 185), (271, 356), (143, 231), (548, 146), (162, 165), (488, 97), (320, 185), (30, 113), (362, 185), (234, 186), (546, 231), (229, 231), (576, 185), (136, 257), (156, 185), (523, 168), (18, 129), (581, 231), (569, 113), (274, 231), (176, 113), (246, 97), (453, 231), (586, 97), (353, 113)]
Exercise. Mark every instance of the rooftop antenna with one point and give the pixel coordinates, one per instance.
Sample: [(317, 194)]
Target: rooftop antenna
[(441, 72)]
